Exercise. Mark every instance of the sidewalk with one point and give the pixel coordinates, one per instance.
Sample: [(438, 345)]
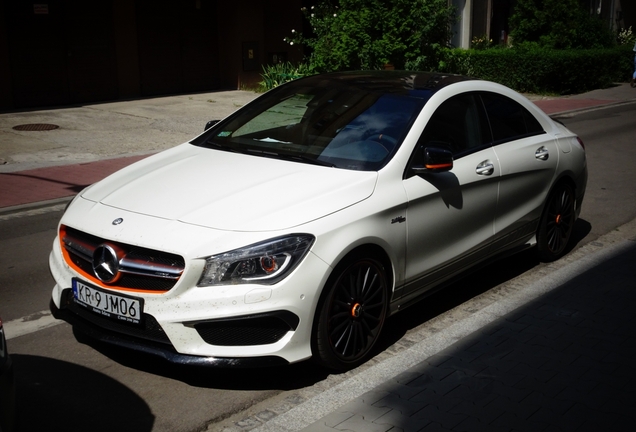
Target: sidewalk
[(563, 361), (94, 141)]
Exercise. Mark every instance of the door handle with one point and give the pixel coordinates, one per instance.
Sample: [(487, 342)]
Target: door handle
[(485, 168), (542, 153)]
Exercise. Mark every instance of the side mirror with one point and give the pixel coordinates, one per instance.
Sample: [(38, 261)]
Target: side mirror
[(435, 159), (211, 123)]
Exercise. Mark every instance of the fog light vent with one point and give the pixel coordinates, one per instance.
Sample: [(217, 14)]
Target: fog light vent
[(249, 330)]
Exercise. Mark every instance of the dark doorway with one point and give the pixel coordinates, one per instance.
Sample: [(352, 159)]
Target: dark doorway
[(61, 51), (178, 46)]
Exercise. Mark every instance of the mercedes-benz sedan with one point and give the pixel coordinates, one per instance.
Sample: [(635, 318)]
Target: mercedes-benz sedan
[(294, 227)]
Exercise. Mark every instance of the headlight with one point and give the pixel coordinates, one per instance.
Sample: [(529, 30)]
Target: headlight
[(262, 263)]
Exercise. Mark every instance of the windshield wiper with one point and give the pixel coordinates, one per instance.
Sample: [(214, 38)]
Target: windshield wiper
[(290, 157), (306, 159), (223, 147), (271, 140)]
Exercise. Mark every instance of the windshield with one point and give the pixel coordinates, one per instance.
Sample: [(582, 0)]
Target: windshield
[(340, 126)]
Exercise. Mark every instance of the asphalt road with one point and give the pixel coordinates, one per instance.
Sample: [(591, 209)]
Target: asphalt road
[(76, 385), (609, 136)]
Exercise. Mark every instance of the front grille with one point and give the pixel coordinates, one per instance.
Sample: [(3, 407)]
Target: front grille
[(244, 331), (149, 329), (139, 268)]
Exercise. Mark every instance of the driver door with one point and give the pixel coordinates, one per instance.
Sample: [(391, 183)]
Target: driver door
[(451, 214)]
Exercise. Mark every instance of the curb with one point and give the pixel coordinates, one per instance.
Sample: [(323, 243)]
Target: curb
[(573, 112), (30, 208)]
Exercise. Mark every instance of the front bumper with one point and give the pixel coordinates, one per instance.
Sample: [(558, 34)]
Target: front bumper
[(104, 333), (233, 326)]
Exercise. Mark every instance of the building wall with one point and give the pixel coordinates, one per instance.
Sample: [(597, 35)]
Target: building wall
[(126, 49), (77, 51), (6, 97)]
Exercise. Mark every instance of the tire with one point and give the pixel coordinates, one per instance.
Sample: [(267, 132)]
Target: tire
[(351, 314), (557, 222)]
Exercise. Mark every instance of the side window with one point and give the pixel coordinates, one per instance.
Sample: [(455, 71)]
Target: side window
[(459, 124), (508, 119)]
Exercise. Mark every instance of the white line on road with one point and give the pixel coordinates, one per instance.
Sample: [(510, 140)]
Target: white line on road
[(29, 324), (32, 212)]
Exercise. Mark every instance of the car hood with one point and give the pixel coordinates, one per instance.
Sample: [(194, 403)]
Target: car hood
[(230, 191)]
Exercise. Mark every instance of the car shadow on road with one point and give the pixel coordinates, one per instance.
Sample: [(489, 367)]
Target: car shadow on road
[(307, 373), (58, 395)]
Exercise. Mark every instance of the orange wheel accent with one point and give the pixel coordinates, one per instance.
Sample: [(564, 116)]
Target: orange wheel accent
[(558, 219), (355, 310)]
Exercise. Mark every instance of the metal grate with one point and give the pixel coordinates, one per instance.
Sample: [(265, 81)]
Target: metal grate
[(35, 127)]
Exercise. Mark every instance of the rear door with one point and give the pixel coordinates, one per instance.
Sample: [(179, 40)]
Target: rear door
[(529, 157)]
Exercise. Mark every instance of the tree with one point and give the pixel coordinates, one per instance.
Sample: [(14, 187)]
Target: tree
[(367, 34), (557, 24)]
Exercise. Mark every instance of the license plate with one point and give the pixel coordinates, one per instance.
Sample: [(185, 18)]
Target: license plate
[(115, 306)]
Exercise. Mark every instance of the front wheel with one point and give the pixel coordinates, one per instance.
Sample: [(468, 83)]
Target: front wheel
[(351, 314), (557, 222)]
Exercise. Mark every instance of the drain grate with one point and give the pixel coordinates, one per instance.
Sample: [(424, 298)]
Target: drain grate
[(36, 127)]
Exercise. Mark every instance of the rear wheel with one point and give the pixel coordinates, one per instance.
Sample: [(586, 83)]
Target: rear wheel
[(557, 222), (351, 314)]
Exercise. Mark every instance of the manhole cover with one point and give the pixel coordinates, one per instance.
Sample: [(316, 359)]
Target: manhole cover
[(36, 127)]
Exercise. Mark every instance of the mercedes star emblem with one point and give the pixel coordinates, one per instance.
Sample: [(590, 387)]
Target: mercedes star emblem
[(105, 263)]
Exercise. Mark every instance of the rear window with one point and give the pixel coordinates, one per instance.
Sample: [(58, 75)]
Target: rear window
[(508, 119)]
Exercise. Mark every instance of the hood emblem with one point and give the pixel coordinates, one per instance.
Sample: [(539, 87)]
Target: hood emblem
[(118, 221), (105, 263)]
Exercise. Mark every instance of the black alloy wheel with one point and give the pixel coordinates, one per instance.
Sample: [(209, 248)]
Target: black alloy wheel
[(351, 314), (557, 222)]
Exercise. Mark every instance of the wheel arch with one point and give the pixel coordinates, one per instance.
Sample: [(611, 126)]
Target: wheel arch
[(567, 178), (366, 250), (559, 234)]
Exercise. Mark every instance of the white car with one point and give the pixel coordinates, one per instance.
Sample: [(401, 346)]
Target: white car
[(293, 228)]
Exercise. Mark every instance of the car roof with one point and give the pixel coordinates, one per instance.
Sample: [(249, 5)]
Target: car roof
[(407, 83)]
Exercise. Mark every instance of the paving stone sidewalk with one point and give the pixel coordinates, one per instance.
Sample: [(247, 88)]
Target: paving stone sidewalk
[(564, 362)]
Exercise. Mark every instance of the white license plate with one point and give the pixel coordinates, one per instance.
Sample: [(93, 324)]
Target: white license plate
[(115, 306)]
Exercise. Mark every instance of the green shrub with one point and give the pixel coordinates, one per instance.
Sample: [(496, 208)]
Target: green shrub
[(275, 75), (625, 36), (562, 24), (368, 34), (533, 69)]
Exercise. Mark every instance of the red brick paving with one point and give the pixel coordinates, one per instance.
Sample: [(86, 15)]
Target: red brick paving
[(551, 106), (24, 187)]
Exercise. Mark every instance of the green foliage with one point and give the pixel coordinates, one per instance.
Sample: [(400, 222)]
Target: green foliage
[(481, 43), (626, 37), (275, 75), (367, 34), (562, 24), (534, 69)]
